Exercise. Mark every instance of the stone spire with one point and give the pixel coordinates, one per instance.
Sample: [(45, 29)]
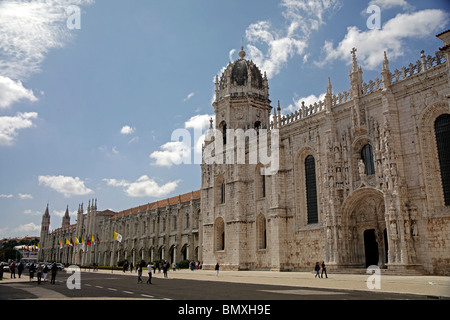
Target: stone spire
[(385, 73), (355, 76), (66, 218)]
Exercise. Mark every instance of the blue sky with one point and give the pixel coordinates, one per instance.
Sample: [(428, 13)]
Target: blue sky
[(89, 112)]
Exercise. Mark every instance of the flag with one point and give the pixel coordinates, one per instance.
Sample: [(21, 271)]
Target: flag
[(98, 239), (117, 236), (93, 240), (67, 242), (60, 244), (89, 242), (76, 240)]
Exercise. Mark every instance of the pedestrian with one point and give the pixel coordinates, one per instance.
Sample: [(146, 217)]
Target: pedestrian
[(32, 269), (39, 270), (20, 268), (54, 270), (165, 267), (174, 266), (217, 269), (317, 268), (1, 270), (149, 270), (12, 268), (324, 269), (139, 272), (45, 272), (131, 267)]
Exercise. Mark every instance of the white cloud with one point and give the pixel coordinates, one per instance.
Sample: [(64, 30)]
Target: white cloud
[(8, 196), (68, 186), (391, 38), (231, 53), (189, 96), (127, 130), (29, 30), (25, 196), (178, 152), (32, 213), (302, 17), (387, 4), (200, 121), (311, 99), (173, 152), (10, 125), (143, 187), (28, 228), (12, 91)]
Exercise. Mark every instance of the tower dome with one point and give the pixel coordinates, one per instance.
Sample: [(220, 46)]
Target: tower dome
[(242, 77)]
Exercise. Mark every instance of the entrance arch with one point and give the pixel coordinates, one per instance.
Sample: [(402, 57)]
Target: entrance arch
[(362, 240)]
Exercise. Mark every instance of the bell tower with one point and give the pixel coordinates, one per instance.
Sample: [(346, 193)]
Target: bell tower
[(241, 105)]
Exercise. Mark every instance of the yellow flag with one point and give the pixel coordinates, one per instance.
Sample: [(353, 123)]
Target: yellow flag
[(117, 236)]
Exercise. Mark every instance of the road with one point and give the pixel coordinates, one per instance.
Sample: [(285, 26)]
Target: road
[(117, 286)]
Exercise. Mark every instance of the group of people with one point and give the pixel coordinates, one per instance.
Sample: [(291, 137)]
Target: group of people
[(317, 269), (195, 265), (40, 269)]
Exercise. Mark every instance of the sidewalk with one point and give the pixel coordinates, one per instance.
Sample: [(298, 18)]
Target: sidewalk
[(433, 286)]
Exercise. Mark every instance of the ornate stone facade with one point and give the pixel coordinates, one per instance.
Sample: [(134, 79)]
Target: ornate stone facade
[(363, 179), (168, 229), (359, 182)]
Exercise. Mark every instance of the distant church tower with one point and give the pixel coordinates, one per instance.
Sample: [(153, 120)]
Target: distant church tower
[(66, 219), (45, 226)]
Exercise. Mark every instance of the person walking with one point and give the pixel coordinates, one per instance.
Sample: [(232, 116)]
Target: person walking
[(217, 269), (165, 267), (20, 268), (32, 270), (139, 272), (45, 272), (317, 268), (54, 270), (324, 269), (39, 270), (149, 270), (12, 269)]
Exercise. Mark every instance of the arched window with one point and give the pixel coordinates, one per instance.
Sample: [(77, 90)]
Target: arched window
[(442, 131), (257, 126), (219, 230), (367, 157), (311, 190), (261, 232), (224, 133), (187, 220), (220, 190), (260, 183)]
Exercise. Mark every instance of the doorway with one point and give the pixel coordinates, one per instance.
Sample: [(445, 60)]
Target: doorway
[(371, 247)]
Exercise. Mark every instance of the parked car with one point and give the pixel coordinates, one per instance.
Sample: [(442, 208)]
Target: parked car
[(5, 267), (60, 266)]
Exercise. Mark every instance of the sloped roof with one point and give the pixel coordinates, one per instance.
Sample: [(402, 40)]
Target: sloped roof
[(195, 195)]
